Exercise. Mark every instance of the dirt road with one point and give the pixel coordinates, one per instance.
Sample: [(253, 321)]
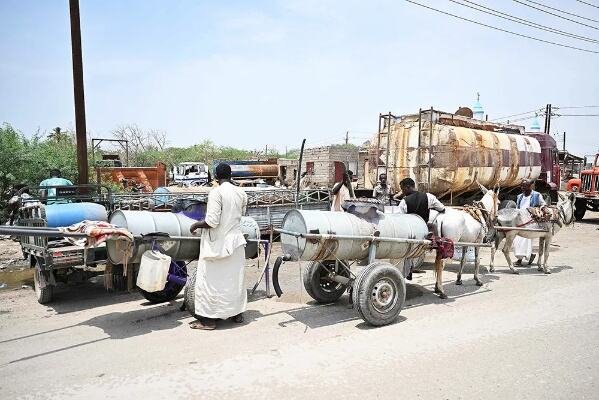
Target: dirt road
[(524, 336)]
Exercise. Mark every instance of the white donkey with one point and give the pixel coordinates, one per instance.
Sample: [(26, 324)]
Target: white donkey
[(511, 217), (460, 226)]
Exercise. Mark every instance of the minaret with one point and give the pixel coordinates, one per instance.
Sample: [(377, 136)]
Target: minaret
[(477, 110), (535, 126)]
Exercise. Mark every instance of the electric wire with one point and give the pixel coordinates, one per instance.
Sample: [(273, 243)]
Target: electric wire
[(587, 3), (556, 15), (562, 11), (501, 29), (516, 115), (522, 21)]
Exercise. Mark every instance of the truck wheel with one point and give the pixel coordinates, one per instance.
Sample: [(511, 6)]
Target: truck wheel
[(43, 291), (581, 208), (379, 293), (189, 293), (318, 283)]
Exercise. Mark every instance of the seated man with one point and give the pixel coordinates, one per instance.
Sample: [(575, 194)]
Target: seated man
[(412, 201)]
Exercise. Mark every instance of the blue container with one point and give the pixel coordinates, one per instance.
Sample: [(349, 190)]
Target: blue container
[(58, 215)]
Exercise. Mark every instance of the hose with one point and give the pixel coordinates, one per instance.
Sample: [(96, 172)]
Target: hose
[(275, 273)]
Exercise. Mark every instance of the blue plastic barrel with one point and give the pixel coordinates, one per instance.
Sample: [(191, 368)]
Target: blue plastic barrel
[(58, 215)]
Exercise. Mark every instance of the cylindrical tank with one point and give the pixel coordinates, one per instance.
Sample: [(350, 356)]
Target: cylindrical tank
[(143, 222), (164, 194), (405, 226), (66, 214), (460, 152), (252, 169)]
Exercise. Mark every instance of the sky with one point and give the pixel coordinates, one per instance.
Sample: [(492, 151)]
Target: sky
[(256, 73)]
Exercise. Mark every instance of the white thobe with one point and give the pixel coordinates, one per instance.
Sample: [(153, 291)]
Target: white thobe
[(219, 288), (522, 246)]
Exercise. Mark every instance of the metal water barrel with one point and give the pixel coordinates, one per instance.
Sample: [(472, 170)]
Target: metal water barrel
[(405, 226), (143, 222), (327, 222)]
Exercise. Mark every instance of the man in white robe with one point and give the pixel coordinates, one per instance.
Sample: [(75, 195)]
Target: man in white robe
[(220, 291), (528, 198)]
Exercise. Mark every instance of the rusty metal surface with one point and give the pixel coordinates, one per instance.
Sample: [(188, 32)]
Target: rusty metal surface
[(462, 151)]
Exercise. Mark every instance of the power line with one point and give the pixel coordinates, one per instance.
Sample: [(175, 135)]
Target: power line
[(502, 30), (562, 11), (516, 115), (561, 108), (588, 4), (556, 15), (522, 21), (577, 115)]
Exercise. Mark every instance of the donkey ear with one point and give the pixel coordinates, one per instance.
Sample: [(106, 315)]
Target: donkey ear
[(572, 197), (482, 188)]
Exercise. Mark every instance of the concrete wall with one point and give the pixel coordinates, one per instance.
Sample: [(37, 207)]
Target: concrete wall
[(324, 163)]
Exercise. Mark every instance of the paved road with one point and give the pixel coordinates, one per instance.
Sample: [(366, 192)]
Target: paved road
[(531, 336)]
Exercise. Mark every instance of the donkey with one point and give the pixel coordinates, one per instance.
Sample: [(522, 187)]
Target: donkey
[(511, 217), (460, 226)]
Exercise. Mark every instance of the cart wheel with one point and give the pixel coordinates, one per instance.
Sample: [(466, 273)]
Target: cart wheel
[(318, 284), (581, 208), (189, 294), (170, 291), (44, 294), (379, 293)]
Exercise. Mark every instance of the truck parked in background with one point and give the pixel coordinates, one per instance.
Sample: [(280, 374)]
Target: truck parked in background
[(448, 155), (190, 174), (586, 189)]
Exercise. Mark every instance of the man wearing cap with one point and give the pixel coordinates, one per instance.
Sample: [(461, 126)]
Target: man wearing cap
[(220, 291), (528, 198)]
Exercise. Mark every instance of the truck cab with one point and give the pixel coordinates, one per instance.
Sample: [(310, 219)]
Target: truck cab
[(586, 189), (190, 174)]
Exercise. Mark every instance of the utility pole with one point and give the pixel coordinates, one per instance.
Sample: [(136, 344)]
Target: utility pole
[(346, 137), (266, 151), (547, 119), (564, 141), (80, 129)]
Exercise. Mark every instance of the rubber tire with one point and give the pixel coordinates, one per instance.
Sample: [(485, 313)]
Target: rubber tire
[(581, 208), (364, 285), (312, 283), (44, 295), (190, 292), (163, 295)]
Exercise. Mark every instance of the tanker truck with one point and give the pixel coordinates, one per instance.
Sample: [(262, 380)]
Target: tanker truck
[(448, 155)]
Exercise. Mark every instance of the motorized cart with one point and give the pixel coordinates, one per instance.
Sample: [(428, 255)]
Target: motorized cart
[(54, 257)]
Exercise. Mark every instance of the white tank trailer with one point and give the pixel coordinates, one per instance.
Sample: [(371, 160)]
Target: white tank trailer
[(330, 241), (447, 154)]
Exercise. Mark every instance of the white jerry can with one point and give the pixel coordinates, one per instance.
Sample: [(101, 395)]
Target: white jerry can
[(153, 271), (470, 255)]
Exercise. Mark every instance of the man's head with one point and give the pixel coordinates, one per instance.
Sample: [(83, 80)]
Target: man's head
[(526, 187), (55, 173), (223, 172), (407, 186), (383, 179)]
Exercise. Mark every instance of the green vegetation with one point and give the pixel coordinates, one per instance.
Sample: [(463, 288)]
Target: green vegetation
[(28, 161)]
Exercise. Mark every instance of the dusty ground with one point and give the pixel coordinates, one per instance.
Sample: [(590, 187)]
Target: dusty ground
[(529, 336)]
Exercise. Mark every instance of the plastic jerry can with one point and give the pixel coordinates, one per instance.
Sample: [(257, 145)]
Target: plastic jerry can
[(153, 271)]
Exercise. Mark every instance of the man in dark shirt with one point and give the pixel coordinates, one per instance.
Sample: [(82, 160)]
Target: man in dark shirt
[(415, 202)]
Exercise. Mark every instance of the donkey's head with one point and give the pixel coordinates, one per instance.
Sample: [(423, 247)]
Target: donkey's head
[(566, 207)]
